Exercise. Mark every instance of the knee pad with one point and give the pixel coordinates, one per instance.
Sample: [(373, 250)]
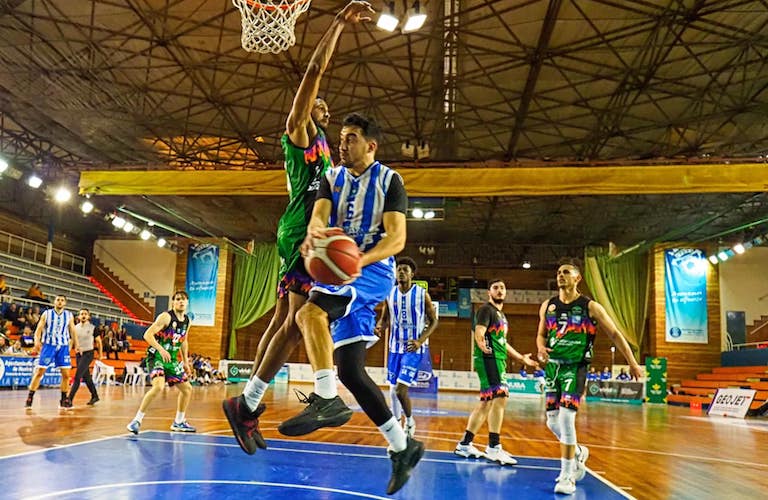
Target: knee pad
[(553, 422), (567, 421)]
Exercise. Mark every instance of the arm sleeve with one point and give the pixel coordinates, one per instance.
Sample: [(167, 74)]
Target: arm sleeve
[(483, 316), (396, 199), (324, 191)]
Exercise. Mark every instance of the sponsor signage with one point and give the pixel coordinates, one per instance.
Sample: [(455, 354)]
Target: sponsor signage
[(685, 292), (240, 371), (731, 402), (656, 384), (17, 371), (533, 386), (426, 380), (615, 391)]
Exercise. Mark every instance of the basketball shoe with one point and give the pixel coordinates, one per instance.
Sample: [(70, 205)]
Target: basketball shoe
[(245, 423), (65, 404), (403, 463), (468, 451), (182, 427), (320, 412), (134, 426), (497, 454), (581, 462), (565, 485)]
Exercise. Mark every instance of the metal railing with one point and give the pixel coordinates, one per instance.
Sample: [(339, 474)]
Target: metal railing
[(125, 290), (738, 347), (124, 267), (32, 250)]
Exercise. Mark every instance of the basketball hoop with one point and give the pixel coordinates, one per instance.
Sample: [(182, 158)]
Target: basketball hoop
[(268, 24)]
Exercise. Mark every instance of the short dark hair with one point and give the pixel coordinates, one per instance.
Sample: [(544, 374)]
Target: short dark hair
[(493, 281), (83, 309), (570, 261), (60, 295), (408, 262), (367, 124), (183, 293)]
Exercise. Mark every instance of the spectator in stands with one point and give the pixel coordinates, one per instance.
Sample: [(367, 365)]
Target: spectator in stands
[(623, 375), (122, 339), (4, 345), (12, 313), (21, 319), (17, 350), (593, 375), (35, 316), (606, 374), (35, 293), (4, 290), (110, 343)]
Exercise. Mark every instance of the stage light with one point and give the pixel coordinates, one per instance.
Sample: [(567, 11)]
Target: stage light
[(34, 181), (118, 222), (429, 214), (415, 19), (722, 256), (161, 242), (526, 264), (145, 235), (62, 195), (87, 207), (713, 259), (128, 227), (417, 213), (387, 20), (739, 248)]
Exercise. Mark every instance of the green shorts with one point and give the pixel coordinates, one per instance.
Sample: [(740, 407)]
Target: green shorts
[(564, 385), (493, 379), (289, 240), (173, 371)]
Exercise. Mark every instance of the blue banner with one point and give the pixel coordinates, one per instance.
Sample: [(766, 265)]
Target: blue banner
[(464, 306), (686, 295), (447, 309), (16, 371), (202, 269)]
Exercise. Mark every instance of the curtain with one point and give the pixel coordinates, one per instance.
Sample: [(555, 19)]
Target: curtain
[(621, 286), (253, 290)]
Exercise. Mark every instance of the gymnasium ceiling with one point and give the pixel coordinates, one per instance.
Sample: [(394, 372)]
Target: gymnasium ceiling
[(151, 84)]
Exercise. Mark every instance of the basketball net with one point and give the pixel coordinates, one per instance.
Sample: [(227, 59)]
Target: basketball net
[(268, 24)]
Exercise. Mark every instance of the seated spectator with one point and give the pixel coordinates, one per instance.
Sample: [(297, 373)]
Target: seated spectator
[(606, 374), (122, 339), (21, 319), (35, 293), (593, 375), (4, 290), (17, 350), (110, 343), (623, 375), (4, 345), (35, 316), (12, 313), (27, 337)]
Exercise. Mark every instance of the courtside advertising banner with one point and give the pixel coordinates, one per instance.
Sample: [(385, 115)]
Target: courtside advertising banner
[(685, 289), (202, 269), (731, 402)]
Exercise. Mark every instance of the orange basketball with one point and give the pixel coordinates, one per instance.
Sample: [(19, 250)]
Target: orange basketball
[(335, 260)]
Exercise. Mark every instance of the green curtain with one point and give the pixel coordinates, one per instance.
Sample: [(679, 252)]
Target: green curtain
[(253, 291), (621, 286)]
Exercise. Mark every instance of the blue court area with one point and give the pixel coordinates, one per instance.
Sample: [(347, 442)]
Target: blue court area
[(161, 465)]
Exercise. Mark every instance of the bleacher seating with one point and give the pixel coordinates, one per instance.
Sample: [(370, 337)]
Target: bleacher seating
[(701, 390)]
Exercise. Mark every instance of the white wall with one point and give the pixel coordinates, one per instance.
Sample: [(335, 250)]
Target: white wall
[(141, 264), (742, 283)]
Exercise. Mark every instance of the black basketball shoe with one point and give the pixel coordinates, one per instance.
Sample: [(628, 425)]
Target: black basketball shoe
[(320, 412), (245, 423)]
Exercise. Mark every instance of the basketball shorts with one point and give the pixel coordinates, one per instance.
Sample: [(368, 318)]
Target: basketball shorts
[(402, 367), (493, 379), (173, 371), (564, 385), (296, 280), (56, 355), (356, 319)]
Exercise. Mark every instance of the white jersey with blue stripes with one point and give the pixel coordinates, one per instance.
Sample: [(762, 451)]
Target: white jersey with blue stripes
[(359, 202), (56, 331), (407, 313)]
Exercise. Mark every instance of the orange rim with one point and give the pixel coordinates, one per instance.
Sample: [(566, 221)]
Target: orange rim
[(259, 5)]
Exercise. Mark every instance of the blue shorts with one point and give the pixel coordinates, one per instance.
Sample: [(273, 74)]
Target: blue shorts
[(365, 293), (56, 355), (402, 368)]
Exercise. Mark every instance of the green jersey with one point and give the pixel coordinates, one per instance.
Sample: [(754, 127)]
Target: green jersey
[(496, 331), (171, 337), (570, 331), (303, 170)]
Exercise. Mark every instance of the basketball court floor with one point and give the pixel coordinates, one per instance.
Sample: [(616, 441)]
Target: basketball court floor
[(640, 452)]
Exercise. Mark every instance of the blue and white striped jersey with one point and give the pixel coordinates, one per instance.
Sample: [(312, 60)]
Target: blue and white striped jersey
[(407, 317), (56, 331)]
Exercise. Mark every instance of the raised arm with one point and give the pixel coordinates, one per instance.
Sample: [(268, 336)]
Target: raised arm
[(606, 324)]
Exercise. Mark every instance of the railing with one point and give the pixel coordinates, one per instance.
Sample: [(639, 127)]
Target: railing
[(131, 273), (764, 325), (129, 293), (738, 347), (32, 250), (96, 312)]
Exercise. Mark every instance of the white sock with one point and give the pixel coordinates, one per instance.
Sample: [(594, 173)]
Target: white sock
[(139, 416), (568, 466), (394, 434), (397, 408), (179, 417), (254, 391), (325, 384), (410, 420)]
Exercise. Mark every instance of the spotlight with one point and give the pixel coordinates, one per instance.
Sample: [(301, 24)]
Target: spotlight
[(118, 222), (713, 259), (418, 213), (62, 195), (3, 165), (144, 234), (387, 20), (526, 264), (739, 248), (86, 207), (34, 181), (128, 227), (429, 214), (161, 242), (722, 256), (415, 19)]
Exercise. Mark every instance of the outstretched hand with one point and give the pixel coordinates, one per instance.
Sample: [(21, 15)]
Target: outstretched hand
[(357, 12)]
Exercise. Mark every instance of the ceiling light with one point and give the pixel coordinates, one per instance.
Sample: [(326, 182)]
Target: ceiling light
[(713, 259), (429, 214), (118, 222), (526, 264), (128, 227), (739, 248), (161, 242), (415, 19), (3, 165), (417, 213), (722, 256), (144, 234), (34, 181), (387, 20), (62, 195), (86, 207)]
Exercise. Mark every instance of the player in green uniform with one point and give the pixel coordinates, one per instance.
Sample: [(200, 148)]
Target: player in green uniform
[(490, 360), (307, 157), (167, 339), (568, 324)]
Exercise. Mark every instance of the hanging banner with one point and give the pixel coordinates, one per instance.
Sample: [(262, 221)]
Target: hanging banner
[(464, 306), (202, 270), (656, 383), (685, 289)]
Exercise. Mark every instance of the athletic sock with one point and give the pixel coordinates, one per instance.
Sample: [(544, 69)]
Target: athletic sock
[(493, 439), (139, 416), (179, 417), (568, 466), (325, 384), (254, 391), (468, 437), (394, 434)]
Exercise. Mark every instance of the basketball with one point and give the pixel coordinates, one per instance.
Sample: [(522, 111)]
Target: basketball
[(335, 260)]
